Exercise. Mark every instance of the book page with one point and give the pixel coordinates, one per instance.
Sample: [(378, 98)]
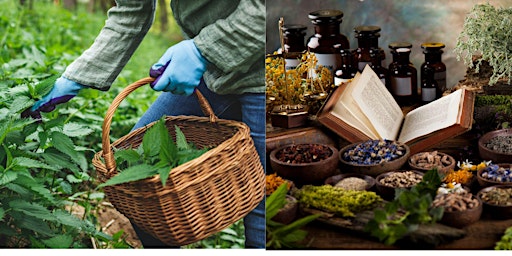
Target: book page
[(436, 115), (377, 103), (347, 110)]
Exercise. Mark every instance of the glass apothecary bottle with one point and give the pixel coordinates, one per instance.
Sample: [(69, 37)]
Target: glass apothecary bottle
[(294, 44), (429, 86), (327, 40), (347, 69), (367, 38), (376, 64), (433, 52), (403, 76)]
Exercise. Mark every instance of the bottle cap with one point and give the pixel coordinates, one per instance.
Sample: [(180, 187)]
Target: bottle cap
[(397, 45), (367, 31), (325, 16), (432, 47), (296, 29)]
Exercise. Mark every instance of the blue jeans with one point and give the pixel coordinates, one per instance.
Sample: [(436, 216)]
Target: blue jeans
[(248, 108)]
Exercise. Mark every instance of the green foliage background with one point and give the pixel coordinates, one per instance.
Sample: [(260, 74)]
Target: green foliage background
[(45, 168)]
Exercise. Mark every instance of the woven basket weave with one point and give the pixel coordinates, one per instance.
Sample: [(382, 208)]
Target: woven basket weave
[(202, 196)]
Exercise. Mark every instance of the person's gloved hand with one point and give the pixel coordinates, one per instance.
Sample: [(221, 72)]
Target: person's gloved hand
[(179, 70), (63, 90)]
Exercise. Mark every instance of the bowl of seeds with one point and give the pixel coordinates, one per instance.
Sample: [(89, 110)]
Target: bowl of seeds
[(497, 201), (351, 181), (424, 161), (374, 157), (496, 146), (386, 183), (495, 174)]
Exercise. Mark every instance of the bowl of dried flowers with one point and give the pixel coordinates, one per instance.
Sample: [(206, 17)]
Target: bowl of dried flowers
[(465, 174), (373, 157), (307, 163), (495, 174)]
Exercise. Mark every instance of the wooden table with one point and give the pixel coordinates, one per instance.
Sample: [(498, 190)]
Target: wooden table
[(481, 235)]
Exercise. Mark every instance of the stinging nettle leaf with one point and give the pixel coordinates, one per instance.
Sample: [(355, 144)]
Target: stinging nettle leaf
[(131, 156), (59, 241), (152, 139), (64, 144), (181, 141), (138, 172), (44, 87), (76, 130)]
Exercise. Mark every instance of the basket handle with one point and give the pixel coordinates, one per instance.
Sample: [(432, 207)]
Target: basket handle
[(108, 155)]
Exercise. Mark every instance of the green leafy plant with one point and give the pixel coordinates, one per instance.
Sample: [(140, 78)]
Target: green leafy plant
[(505, 243), (280, 235), (157, 154), (487, 32), (407, 211)]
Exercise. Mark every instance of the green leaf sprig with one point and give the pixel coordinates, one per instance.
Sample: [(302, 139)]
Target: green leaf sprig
[(407, 211), (280, 235), (157, 154)]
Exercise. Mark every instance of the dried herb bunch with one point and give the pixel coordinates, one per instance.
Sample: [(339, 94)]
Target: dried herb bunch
[(487, 32), (306, 79)]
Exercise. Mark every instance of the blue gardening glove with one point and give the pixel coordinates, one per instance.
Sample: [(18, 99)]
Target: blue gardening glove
[(179, 70), (63, 90)]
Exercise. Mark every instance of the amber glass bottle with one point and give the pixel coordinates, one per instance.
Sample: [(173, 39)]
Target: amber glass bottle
[(433, 52), (294, 44), (429, 86), (367, 38), (347, 69), (403, 75), (327, 41), (376, 64)]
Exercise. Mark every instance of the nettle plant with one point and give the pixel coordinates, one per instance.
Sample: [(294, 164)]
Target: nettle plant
[(487, 33), (43, 176)]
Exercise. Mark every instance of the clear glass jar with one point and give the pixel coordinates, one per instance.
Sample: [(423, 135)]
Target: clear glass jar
[(403, 76), (327, 41), (433, 52), (294, 44), (367, 38)]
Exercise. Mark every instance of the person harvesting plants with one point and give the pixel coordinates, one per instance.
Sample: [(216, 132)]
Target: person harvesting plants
[(222, 57)]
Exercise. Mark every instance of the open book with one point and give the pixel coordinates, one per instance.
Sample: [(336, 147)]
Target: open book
[(364, 109)]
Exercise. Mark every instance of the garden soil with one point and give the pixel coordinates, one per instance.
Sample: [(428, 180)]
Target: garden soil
[(112, 222)]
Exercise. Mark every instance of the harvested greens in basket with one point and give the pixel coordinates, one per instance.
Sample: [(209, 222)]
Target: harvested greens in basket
[(157, 154)]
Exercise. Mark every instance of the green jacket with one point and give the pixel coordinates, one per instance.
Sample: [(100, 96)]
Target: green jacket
[(230, 34)]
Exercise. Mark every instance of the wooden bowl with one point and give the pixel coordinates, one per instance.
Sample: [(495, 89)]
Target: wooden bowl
[(373, 169), (388, 192), (496, 211), (460, 219), (305, 173), (484, 182), (288, 213), (333, 180), (440, 168), (493, 155)]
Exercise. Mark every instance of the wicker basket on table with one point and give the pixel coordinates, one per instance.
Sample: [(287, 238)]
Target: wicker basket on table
[(202, 196)]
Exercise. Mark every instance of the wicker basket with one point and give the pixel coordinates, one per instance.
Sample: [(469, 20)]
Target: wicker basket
[(202, 196)]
